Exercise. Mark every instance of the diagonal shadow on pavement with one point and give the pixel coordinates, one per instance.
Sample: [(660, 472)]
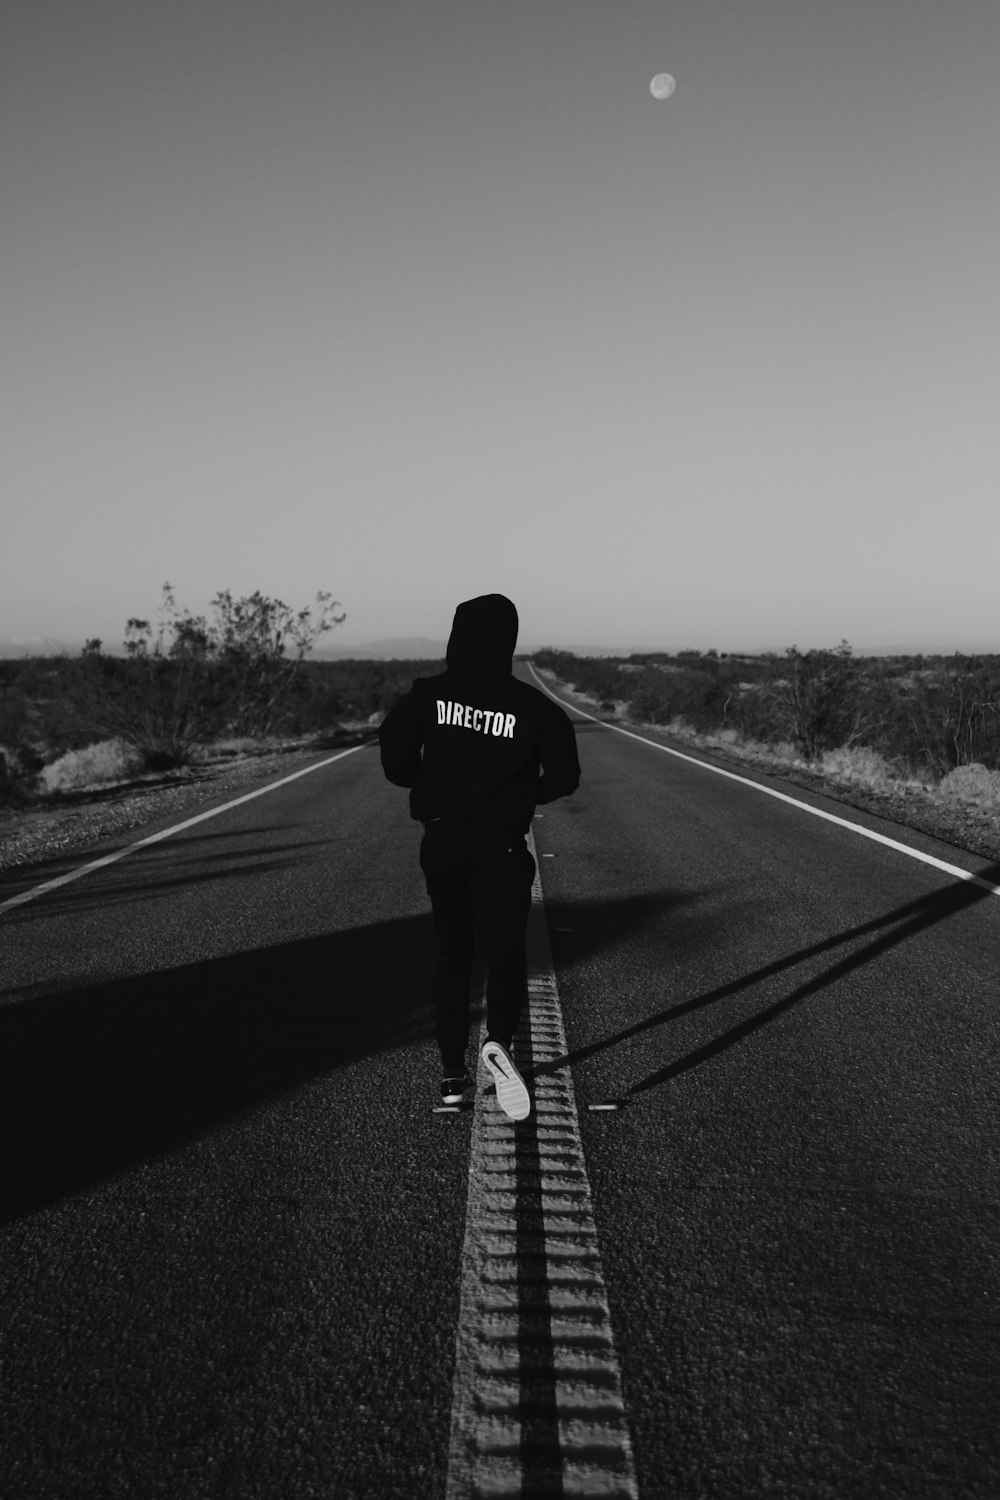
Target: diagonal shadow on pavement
[(97, 1078), (892, 928), (140, 877)]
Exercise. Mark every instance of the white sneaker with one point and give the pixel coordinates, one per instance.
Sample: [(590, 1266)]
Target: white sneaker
[(512, 1091)]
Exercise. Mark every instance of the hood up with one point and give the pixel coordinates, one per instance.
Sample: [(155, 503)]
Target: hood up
[(483, 635)]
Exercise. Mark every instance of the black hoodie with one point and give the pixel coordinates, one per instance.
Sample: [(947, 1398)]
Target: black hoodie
[(475, 741)]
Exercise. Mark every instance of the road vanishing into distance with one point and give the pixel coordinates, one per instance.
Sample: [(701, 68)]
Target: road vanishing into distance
[(233, 1228)]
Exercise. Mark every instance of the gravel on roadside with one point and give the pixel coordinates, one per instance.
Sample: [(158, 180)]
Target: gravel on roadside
[(79, 820), (965, 827)]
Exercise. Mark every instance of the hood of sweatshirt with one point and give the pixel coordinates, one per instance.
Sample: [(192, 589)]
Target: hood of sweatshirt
[(483, 635)]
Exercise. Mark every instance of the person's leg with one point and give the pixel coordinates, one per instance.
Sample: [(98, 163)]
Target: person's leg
[(501, 871), (442, 860)]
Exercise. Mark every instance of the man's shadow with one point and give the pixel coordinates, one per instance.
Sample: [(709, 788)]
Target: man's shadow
[(98, 1078)]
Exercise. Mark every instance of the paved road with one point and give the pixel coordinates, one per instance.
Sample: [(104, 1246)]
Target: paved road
[(233, 1229)]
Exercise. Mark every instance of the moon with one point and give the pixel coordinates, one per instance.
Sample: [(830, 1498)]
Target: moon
[(662, 86)]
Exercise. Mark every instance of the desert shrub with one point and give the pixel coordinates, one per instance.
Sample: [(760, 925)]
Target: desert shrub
[(19, 767), (698, 695), (974, 784), (858, 764), (754, 713), (106, 761), (649, 699), (194, 677), (782, 751), (355, 691), (818, 699), (656, 695), (951, 714)]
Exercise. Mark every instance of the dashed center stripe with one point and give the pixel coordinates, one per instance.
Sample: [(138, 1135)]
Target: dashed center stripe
[(537, 1405)]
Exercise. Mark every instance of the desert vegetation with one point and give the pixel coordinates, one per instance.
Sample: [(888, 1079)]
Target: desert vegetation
[(929, 721), (189, 689), (184, 689)]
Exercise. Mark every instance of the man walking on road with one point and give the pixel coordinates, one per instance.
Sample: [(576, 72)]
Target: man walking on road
[(479, 749)]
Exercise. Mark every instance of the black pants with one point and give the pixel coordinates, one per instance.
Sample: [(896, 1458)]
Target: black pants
[(479, 876)]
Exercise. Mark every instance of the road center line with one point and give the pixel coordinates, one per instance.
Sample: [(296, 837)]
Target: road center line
[(537, 1403), (817, 812), (165, 833)]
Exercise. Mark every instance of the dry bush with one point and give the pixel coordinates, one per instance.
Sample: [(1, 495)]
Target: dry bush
[(781, 752), (972, 784), (94, 765), (858, 765)]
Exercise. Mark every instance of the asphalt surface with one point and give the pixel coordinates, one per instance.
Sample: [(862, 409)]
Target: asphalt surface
[(232, 1228)]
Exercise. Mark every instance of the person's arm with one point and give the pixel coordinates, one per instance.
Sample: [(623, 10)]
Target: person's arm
[(400, 738), (557, 752)]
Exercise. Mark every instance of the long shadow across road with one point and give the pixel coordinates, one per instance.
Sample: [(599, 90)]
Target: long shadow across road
[(891, 929), (99, 1078)]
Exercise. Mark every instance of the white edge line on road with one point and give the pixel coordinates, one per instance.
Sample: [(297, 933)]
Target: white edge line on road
[(867, 833), (165, 833)]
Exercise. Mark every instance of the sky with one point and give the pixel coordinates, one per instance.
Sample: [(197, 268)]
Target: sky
[(413, 302)]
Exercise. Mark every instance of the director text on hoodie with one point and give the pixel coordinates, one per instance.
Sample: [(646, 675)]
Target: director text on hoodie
[(475, 741)]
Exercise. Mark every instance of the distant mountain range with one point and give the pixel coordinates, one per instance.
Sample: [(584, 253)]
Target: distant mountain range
[(413, 648), (396, 648), (421, 648), (38, 645)]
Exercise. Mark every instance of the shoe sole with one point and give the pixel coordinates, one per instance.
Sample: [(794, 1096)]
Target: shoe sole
[(512, 1091)]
